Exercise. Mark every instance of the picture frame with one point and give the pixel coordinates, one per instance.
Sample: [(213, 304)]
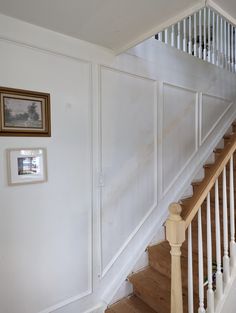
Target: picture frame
[(24, 113), (26, 166)]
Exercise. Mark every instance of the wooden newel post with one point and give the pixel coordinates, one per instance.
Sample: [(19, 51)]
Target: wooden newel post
[(175, 234)]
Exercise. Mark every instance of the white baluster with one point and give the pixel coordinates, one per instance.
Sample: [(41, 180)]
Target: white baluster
[(210, 292), (232, 216), (195, 34), (225, 228), (232, 48), (217, 41), (178, 36), (225, 44), (213, 38), (166, 36), (221, 43), (190, 270), (200, 35), (184, 36), (219, 281), (173, 36), (201, 308), (190, 35), (209, 35), (204, 35), (235, 49), (228, 46)]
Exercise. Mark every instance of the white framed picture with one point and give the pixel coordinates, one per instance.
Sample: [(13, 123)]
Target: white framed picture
[(26, 166)]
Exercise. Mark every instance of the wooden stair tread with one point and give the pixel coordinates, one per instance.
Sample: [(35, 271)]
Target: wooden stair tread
[(130, 305), (150, 276), (153, 288)]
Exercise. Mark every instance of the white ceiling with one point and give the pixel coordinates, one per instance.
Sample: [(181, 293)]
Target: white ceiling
[(114, 24)]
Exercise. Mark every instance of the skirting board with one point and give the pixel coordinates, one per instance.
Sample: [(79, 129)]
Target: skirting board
[(100, 308)]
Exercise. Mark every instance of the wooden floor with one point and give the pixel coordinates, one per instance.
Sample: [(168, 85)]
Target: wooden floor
[(152, 285)]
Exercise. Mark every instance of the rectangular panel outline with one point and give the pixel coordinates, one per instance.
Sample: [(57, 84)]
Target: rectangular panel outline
[(165, 191), (104, 270), (43, 51), (230, 102)]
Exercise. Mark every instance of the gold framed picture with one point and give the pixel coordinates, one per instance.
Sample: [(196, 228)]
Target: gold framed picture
[(24, 113)]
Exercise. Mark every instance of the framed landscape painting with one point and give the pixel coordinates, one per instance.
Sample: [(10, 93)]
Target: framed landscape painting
[(24, 113)]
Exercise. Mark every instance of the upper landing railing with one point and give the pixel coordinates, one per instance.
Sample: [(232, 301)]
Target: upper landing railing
[(206, 35)]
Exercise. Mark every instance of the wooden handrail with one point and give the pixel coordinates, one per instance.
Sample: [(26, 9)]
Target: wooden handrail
[(190, 207), (182, 214)]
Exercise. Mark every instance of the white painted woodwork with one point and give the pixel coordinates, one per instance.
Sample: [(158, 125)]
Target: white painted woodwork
[(200, 34), (217, 41), (128, 162), (213, 38), (204, 34), (190, 35), (175, 128), (219, 278), (45, 239), (225, 44), (210, 292), (46, 228), (232, 215), (178, 36), (228, 302), (228, 48), (201, 308), (173, 36), (209, 35), (166, 36), (190, 271), (226, 269), (195, 34), (221, 43), (211, 106), (232, 47), (185, 35)]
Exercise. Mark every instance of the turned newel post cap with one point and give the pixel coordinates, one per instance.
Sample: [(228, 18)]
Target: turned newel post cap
[(175, 225), (175, 210)]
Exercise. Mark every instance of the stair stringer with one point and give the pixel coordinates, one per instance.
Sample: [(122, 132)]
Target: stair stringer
[(155, 222)]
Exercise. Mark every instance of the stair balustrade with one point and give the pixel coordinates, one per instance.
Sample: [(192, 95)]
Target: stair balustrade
[(207, 35), (213, 199)]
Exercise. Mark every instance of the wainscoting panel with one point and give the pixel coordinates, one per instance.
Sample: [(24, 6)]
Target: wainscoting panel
[(179, 135), (212, 110), (128, 146), (46, 229)]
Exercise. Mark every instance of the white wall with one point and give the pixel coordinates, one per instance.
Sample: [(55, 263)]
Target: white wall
[(128, 134)]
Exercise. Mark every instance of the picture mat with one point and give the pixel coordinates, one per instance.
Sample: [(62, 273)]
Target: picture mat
[(13, 159)]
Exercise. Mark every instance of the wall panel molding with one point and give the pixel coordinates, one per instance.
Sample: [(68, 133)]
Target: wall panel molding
[(209, 118), (175, 95), (105, 69), (88, 69)]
